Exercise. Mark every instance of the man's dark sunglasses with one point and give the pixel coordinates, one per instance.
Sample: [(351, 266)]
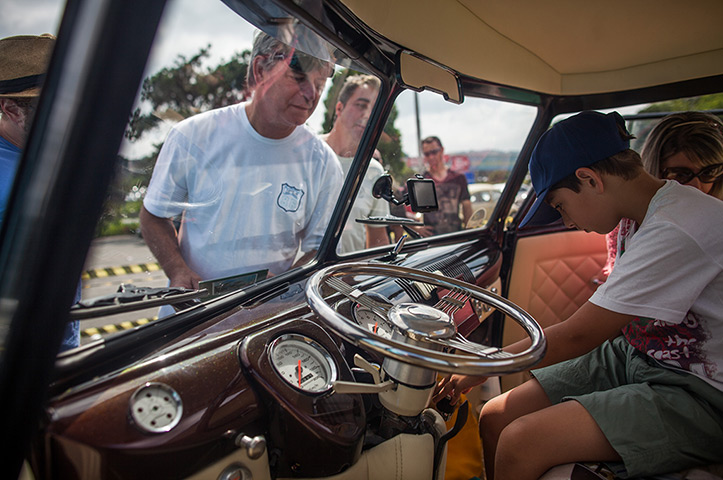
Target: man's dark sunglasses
[(432, 152), (683, 175), (303, 63)]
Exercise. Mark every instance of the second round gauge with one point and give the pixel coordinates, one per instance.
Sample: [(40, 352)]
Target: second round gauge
[(372, 321), (303, 363)]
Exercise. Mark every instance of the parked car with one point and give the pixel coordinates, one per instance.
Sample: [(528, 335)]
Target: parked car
[(325, 370), (484, 196)]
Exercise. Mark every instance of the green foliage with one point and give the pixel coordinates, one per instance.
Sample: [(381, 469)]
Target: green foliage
[(171, 94), (186, 89), (705, 102), (390, 146)]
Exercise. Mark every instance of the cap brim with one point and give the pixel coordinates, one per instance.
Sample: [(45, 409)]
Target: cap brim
[(540, 213)]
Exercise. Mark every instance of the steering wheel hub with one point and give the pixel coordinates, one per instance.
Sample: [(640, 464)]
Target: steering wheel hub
[(422, 321)]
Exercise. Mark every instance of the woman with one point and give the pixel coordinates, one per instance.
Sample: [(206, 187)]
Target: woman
[(687, 147)]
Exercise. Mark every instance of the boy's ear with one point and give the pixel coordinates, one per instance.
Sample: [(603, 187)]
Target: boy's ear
[(590, 177)]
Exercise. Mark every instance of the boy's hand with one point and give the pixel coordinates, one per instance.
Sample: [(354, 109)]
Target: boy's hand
[(454, 386)]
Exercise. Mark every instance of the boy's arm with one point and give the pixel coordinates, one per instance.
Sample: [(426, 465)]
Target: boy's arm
[(587, 328)]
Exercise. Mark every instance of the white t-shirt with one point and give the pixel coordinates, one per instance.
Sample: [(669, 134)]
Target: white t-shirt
[(671, 275), (354, 236), (249, 202)]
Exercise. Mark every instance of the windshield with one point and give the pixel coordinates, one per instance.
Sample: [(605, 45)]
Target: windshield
[(236, 152), (224, 178)]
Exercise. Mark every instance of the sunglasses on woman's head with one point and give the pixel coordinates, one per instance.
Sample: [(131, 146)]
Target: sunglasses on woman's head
[(683, 175)]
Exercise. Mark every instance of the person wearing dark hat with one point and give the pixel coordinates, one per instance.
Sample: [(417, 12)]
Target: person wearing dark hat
[(635, 376), (23, 64), (212, 164)]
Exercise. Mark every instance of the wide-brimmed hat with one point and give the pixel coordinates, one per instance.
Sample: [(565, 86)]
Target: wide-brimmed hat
[(23, 63)]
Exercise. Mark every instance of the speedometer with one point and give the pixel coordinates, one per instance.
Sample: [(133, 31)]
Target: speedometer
[(303, 363)]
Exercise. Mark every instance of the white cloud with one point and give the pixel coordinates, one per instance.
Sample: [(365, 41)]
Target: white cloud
[(30, 17)]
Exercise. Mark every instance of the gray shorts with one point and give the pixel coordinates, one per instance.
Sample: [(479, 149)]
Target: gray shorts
[(657, 419)]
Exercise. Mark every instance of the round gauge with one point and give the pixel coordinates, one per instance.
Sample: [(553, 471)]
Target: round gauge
[(303, 363), (155, 408), (372, 321)]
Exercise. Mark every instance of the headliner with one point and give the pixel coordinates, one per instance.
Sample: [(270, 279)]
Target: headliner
[(559, 47)]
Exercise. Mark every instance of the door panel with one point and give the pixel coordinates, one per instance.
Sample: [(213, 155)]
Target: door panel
[(551, 278)]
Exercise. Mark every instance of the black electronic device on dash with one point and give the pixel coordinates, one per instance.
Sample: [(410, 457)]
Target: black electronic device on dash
[(421, 195)]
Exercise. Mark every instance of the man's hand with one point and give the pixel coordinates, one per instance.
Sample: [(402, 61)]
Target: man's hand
[(454, 386), (185, 278)]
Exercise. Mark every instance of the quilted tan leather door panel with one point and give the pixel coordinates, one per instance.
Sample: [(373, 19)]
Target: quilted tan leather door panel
[(551, 278)]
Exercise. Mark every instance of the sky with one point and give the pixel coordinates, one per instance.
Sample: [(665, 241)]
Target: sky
[(192, 24)]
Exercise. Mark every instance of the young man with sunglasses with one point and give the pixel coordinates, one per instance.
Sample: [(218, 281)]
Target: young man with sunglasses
[(256, 187), (635, 375), (452, 191)]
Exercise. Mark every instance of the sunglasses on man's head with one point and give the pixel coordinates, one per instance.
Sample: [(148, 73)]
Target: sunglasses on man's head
[(683, 175)]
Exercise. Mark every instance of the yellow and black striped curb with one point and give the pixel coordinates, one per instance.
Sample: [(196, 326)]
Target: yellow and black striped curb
[(107, 329), (124, 270)]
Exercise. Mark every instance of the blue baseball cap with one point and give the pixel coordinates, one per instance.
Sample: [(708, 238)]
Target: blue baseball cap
[(578, 141)]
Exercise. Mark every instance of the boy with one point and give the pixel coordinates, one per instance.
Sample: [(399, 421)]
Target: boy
[(649, 398)]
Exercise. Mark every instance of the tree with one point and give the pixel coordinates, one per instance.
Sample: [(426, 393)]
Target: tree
[(185, 89), (705, 102), (171, 94)]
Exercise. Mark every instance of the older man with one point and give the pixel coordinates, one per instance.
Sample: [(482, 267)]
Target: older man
[(254, 185), (23, 63), (351, 113)]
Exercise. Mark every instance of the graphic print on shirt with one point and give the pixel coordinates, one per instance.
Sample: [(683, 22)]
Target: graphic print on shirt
[(446, 219), (289, 198), (680, 345)]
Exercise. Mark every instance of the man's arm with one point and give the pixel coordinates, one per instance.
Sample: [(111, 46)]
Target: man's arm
[(161, 238), (587, 328), (376, 236)]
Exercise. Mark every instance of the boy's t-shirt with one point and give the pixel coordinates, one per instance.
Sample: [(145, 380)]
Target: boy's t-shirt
[(671, 276)]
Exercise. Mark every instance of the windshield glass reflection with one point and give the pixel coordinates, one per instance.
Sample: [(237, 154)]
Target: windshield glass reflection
[(224, 179)]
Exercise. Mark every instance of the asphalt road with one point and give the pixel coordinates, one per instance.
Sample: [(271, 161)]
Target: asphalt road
[(103, 276)]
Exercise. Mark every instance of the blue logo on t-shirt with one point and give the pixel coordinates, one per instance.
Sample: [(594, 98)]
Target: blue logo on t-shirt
[(290, 198)]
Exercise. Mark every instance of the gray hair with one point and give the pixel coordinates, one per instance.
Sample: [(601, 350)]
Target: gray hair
[(272, 51)]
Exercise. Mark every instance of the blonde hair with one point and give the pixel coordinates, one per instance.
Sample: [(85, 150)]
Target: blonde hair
[(699, 135)]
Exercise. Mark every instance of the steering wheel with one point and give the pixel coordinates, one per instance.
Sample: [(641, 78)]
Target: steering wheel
[(423, 335)]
